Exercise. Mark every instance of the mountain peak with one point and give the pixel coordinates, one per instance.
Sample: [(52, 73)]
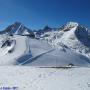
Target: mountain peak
[(72, 24), (17, 22), (18, 28)]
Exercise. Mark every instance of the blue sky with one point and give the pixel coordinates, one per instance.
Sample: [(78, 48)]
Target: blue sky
[(37, 13)]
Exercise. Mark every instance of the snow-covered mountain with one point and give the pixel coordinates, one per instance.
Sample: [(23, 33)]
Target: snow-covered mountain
[(68, 45), (57, 60), (18, 29), (72, 35), (44, 30)]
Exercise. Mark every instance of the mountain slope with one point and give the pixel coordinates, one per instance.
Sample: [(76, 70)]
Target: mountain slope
[(73, 35)]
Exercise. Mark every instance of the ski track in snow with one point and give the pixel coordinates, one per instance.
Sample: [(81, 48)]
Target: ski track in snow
[(35, 57)]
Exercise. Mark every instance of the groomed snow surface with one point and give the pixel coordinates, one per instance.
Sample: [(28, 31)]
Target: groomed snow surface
[(30, 78)]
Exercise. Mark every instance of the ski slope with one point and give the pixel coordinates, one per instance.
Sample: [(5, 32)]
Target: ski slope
[(56, 58), (43, 55), (38, 53)]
